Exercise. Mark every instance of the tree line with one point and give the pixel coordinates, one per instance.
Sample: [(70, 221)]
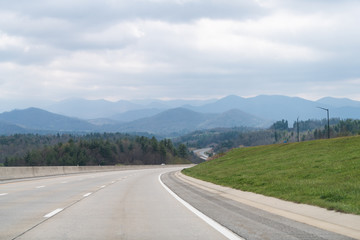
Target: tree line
[(117, 148), (94, 149), (222, 139)]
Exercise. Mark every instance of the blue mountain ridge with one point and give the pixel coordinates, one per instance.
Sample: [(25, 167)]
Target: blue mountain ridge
[(230, 111)]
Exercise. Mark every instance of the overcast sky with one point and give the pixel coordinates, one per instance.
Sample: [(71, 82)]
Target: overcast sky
[(178, 49)]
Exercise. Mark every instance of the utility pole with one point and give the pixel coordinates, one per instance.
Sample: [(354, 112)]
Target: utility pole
[(328, 126)]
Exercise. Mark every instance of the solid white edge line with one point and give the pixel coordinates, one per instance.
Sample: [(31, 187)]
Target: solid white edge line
[(3, 194), (224, 231), (56, 211)]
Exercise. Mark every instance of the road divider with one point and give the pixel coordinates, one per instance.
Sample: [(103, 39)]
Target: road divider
[(9, 173)]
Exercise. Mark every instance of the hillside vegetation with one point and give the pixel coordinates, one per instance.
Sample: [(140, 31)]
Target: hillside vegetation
[(223, 139), (325, 173)]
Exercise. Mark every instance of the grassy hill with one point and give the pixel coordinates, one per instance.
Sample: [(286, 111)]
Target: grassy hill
[(325, 173)]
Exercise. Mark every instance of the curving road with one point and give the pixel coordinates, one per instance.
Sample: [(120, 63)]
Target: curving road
[(133, 204), (248, 222), (201, 153), (109, 205)]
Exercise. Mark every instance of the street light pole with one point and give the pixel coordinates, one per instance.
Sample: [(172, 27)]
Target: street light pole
[(298, 131), (327, 110)]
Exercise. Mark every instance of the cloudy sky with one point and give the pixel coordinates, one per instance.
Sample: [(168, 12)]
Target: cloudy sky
[(178, 49)]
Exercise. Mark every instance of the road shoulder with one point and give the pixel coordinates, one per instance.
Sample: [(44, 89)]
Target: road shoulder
[(344, 224)]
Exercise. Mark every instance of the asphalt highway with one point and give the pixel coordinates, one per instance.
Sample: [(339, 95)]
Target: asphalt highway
[(109, 205), (202, 153), (248, 222), (134, 204)]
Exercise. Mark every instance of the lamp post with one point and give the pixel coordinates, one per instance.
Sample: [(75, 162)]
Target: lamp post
[(327, 110), (298, 130)]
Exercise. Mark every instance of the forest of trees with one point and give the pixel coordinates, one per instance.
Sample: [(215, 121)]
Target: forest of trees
[(92, 149), (117, 148)]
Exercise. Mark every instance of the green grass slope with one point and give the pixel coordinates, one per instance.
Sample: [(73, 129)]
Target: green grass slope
[(324, 173)]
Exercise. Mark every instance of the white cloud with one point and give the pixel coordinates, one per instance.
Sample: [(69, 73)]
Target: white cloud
[(7, 42), (115, 36), (182, 48), (243, 41)]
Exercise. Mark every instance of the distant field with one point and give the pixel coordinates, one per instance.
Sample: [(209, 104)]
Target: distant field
[(325, 173)]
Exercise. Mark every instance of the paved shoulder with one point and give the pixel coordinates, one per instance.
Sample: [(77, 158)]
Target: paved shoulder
[(246, 221)]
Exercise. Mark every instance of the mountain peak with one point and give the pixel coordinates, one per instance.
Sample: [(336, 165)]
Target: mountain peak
[(339, 102), (39, 119)]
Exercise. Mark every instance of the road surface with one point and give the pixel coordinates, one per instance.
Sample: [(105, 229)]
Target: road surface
[(201, 153), (246, 221), (109, 205), (132, 204)]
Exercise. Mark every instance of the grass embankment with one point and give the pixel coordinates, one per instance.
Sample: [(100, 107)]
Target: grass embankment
[(324, 173)]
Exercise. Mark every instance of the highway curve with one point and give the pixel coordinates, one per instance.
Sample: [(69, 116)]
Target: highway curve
[(133, 204), (248, 222), (110, 205)]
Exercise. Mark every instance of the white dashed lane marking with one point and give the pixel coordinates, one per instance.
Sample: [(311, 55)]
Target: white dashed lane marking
[(56, 211), (88, 194)]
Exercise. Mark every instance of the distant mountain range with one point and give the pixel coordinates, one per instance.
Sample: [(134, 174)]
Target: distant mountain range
[(181, 120), (171, 118), (34, 119), (90, 109), (282, 107), (271, 107)]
